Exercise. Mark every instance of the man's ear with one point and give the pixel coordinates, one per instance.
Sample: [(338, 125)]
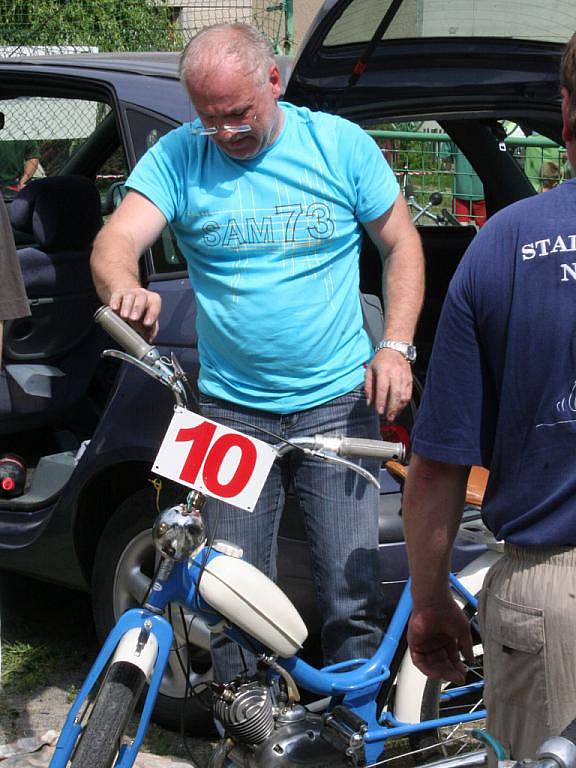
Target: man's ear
[(567, 132), (275, 81)]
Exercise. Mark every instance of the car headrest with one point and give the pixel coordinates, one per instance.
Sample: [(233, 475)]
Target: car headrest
[(61, 212)]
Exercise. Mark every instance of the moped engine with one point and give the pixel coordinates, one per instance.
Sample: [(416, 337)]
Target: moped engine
[(245, 711), (260, 733)]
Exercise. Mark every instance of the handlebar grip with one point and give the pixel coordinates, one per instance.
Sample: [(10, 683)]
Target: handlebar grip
[(379, 449), (124, 334)]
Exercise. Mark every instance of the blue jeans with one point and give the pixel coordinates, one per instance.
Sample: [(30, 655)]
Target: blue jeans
[(341, 516)]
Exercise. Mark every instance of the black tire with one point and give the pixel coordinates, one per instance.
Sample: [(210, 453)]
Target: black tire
[(438, 743), (123, 568), (108, 719)]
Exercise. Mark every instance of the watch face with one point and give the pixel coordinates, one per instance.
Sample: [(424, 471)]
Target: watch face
[(411, 353)]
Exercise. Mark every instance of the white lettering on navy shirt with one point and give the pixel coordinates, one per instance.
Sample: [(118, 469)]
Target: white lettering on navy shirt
[(550, 245)]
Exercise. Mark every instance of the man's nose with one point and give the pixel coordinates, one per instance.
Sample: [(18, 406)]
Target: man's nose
[(226, 133)]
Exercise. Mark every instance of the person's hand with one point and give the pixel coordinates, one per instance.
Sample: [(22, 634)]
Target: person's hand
[(388, 383), (139, 307), (436, 638)]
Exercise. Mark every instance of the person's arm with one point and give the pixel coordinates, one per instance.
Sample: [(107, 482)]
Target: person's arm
[(30, 168), (13, 300), (388, 375), (132, 228), (438, 630)]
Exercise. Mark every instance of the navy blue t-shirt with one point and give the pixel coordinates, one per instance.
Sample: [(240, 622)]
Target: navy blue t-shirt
[(501, 385)]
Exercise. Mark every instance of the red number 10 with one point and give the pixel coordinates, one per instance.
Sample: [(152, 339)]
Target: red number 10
[(212, 456)]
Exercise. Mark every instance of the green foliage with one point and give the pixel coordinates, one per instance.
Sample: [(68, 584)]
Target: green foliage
[(28, 666), (110, 25)]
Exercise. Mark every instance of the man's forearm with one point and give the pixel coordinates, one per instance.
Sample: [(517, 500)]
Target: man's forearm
[(434, 496), (30, 168), (403, 288), (114, 262)]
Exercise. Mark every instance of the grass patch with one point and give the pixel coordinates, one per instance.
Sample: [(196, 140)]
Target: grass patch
[(72, 692), (28, 666)]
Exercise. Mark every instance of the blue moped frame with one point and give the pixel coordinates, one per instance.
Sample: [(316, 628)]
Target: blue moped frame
[(356, 682)]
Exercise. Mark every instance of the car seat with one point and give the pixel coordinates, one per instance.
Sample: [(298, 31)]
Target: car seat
[(51, 356)]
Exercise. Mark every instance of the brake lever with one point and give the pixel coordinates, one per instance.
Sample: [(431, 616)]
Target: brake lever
[(159, 371), (332, 458)]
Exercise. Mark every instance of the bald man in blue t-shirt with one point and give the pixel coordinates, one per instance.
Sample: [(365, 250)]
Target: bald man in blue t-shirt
[(268, 203)]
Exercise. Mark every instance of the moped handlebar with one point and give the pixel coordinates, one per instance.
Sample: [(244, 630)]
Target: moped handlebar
[(347, 446), (169, 372), (129, 339), (144, 356)]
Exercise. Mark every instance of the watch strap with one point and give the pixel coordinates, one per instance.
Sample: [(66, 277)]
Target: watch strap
[(403, 347)]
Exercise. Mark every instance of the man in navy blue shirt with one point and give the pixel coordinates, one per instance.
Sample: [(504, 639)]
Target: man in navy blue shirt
[(501, 393)]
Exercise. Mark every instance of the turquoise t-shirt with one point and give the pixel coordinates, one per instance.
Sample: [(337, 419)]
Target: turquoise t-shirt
[(272, 245)]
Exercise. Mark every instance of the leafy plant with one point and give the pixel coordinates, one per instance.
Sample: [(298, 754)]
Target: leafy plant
[(109, 25)]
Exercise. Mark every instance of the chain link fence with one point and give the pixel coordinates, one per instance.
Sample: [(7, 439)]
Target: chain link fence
[(48, 27), (430, 167)]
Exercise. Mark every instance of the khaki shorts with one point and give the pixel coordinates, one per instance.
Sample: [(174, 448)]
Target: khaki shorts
[(528, 618)]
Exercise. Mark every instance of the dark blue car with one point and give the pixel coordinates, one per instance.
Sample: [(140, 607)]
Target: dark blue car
[(89, 428)]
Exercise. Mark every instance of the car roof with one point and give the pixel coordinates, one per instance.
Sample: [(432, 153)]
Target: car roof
[(148, 79), (150, 63), (155, 64)]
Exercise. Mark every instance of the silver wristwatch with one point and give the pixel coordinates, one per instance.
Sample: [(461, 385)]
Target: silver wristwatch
[(406, 349)]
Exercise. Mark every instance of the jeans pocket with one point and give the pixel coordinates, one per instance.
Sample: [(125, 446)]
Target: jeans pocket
[(515, 654)]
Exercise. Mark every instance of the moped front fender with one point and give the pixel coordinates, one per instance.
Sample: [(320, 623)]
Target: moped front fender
[(122, 645)]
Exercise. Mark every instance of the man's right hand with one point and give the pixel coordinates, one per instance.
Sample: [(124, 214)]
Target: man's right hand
[(436, 637), (139, 307)]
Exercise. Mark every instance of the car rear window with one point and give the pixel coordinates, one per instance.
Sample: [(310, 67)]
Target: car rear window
[(516, 19)]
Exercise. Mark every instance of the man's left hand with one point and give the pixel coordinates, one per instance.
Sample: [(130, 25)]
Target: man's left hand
[(436, 638), (388, 383)]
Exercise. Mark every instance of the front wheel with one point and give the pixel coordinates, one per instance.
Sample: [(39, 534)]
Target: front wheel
[(123, 570), (109, 716)]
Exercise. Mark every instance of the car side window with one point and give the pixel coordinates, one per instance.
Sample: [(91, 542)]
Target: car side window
[(50, 136), (146, 128)]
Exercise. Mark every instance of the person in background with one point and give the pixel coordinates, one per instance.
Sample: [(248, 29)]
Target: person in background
[(468, 203), (268, 202), (19, 162), (544, 167), (501, 393), (13, 301)]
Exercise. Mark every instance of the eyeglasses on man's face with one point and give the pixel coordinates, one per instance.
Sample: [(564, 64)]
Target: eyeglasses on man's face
[(228, 127)]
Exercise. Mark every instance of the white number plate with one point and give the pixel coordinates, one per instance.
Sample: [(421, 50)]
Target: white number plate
[(213, 459)]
